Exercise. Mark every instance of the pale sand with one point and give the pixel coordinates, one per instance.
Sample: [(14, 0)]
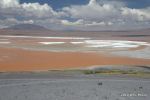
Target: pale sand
[(24, 60)]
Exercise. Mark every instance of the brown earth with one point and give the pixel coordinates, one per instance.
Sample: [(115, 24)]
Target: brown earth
[(25, 60)]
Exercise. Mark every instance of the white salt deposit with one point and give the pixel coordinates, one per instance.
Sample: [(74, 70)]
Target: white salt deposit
[(115, 43), (87, 42), (76, 42), (5, 42), (48, 43)]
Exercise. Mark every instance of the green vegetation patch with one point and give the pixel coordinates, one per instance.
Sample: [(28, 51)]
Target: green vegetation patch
[(117, 72)]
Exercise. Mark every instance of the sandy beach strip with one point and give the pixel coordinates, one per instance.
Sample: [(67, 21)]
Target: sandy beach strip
[(25, 60)]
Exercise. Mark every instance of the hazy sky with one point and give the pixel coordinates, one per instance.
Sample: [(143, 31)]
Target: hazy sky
[(77, 14)]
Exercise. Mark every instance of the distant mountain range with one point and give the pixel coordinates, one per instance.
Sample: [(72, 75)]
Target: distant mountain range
[(27, 27), (37, 30)]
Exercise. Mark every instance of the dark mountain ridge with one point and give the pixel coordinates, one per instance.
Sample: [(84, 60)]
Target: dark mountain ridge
[(27, 27)]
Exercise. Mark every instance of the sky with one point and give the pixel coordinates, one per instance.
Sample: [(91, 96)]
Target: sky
[(89, 15)]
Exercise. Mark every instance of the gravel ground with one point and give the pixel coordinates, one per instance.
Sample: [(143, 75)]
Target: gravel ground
[(70, 87)]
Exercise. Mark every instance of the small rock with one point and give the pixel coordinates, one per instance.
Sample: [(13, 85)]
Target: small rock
[(100, 83)]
